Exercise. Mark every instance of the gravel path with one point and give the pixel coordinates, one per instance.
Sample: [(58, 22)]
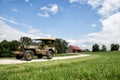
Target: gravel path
[(16, 61)]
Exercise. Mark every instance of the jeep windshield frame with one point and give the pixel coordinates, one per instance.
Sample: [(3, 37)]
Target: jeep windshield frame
[(49, 42), (35, 42)]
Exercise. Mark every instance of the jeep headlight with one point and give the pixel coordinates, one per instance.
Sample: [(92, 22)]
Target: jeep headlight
[(19, 47)]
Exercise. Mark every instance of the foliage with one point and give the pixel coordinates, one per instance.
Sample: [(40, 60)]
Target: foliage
[(61, 45), (86, 50), (25, 40), (114, 47), (7, 47), (4, 48), (104, 48), (104, 66), (14, 45), (95, 48)]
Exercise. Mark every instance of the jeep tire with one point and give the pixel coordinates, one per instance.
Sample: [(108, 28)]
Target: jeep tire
[(28, 55), (19, 56), (49, 54)]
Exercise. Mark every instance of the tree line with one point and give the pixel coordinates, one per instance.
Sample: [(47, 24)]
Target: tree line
[(7, 47), (113, 47)]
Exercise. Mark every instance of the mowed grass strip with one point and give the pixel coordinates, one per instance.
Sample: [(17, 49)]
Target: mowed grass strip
[(99, 66)]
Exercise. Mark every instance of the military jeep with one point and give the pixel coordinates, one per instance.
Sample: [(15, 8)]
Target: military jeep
[(38, 47)]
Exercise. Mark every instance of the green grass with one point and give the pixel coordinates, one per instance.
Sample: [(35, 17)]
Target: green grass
[(66, 54), (99, 66)]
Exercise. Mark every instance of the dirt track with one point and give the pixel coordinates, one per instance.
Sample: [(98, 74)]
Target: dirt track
[(15, 61)]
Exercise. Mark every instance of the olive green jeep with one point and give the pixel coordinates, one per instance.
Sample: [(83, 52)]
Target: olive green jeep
[(38, 47)]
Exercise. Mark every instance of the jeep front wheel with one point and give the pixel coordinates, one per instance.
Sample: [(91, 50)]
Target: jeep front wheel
[(28, 55), (49, 55)]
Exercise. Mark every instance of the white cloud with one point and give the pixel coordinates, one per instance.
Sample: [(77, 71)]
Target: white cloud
[(93, 25), (34, 31), (54, 9), (71, 41), (15, 10), (95, 3), (111, 26), (72, 1), (105, 8), (9, 20), (78, 1), (9, 33), (110, 20), (26, 0), (109, 33), (109, 7), (43, 15), (48, 10)]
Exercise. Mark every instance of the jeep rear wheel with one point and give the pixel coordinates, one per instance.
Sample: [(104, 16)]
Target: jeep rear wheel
[(28, 55), (39, 56), (19, 56), (49, 55)]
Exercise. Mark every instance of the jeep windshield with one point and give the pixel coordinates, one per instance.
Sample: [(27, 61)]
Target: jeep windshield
[(42, 42), (36, 42)]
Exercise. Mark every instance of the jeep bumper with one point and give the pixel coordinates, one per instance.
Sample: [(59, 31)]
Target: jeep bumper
[(17, 52)]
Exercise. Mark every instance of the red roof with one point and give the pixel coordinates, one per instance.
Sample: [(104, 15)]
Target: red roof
[(75, 47)]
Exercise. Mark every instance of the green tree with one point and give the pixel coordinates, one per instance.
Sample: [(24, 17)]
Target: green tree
[(4, 48), (25, 40), (61, 45), (95, 48), (104, 48), (86, 50), (14, 45), (0, 49), (114, 47)]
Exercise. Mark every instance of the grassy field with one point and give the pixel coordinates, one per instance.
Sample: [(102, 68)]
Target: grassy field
[(99, 66), (66, 54)]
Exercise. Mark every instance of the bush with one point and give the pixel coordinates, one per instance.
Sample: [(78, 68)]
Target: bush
[(95, 48), (61, 45), (7, 47), (103, 48), (114, 47)]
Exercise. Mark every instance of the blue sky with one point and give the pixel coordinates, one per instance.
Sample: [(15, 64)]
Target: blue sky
[(80, 22)]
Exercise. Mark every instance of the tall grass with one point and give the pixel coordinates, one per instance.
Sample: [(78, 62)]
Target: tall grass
[(99, 66)]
